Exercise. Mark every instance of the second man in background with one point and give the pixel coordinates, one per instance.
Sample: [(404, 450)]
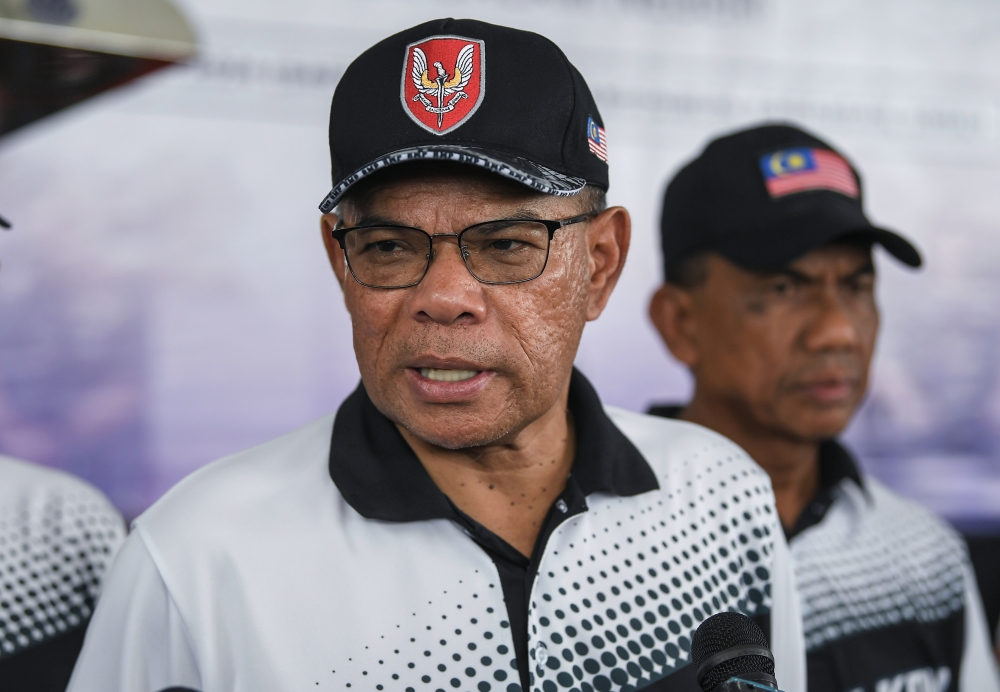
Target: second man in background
[(769, 301)]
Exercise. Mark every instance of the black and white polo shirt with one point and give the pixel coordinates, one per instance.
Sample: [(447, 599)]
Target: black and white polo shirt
[(889, 600), (58, 536), (328, 560)]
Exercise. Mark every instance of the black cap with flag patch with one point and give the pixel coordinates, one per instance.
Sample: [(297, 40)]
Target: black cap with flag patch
[(464, 91), (763, 197)]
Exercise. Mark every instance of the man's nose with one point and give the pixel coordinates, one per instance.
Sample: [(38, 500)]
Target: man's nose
[(834, 327), (448, 293)]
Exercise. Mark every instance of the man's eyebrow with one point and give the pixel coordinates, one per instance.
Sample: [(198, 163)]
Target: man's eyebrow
[(376, 220), (866, 268), (791, 274), (797, 275), (523, 213)]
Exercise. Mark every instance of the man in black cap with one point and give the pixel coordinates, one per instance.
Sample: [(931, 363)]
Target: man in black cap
[(472, 518), (769, 300)]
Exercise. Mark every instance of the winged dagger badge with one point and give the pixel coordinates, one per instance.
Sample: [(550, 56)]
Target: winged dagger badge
[(443, 81)]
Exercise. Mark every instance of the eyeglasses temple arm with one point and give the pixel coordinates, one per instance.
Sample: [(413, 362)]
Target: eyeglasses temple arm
[(577, 219)]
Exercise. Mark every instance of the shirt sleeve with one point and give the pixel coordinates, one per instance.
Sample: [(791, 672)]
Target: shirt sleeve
[(979, 667), (787, 638), (136, 641)]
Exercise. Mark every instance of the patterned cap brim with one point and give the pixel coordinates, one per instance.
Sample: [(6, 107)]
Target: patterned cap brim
[(533, 175)]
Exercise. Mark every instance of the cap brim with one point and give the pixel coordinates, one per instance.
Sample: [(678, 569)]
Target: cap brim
[(767, 254), (533, 175), (895, 244)]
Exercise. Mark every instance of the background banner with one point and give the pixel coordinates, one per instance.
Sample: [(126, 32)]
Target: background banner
[(165, 299)]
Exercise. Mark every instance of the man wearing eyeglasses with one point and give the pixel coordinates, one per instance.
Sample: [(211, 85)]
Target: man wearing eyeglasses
[(472, 518)]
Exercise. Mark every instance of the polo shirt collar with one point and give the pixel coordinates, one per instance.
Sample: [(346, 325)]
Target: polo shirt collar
[(836, 465), (381, 477)]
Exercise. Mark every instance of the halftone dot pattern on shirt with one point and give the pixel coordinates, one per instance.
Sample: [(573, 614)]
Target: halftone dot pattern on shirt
[(618, 598), (52, 560), (618, 595), (457, 639), (876, 560)]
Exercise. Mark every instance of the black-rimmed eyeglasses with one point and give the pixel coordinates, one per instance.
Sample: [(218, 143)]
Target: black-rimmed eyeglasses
[(505, 251)]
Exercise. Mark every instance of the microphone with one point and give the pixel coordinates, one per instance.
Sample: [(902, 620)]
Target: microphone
[(730, 654)]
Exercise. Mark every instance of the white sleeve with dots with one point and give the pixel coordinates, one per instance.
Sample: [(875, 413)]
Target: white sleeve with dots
[(136, 641), (58, 536)]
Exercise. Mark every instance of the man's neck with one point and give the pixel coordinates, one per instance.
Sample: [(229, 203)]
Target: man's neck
[(792, 464), (507, 487)]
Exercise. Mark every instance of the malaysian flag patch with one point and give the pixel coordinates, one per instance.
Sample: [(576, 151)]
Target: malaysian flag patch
[(597, 140), (805, 168)]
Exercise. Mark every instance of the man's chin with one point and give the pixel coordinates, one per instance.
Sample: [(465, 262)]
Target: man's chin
[(823, 425), (455, 437)]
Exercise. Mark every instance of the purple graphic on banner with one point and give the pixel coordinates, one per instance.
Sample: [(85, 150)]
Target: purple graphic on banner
[(73, 391)]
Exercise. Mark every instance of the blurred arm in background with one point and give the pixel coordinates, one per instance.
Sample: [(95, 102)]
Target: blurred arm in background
[(58, 536)]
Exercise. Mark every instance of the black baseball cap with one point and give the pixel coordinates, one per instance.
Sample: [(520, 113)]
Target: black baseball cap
[(473, 93), (764, 196)]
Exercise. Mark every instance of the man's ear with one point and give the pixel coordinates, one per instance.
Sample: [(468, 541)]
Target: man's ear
[(333, 250), (671, 310), (608, 238)]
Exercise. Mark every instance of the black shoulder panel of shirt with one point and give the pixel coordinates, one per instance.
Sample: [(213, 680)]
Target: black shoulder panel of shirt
[(43, 667), (835, 465), (380, 476), (904, 656)]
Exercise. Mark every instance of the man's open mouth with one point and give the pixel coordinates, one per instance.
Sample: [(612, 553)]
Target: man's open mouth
[(441, 375)]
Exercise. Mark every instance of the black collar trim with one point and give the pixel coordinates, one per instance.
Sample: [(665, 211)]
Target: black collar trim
[(380, 476), (837, 464)]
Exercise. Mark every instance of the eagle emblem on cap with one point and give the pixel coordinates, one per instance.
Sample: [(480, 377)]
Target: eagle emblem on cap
[(443, 81)]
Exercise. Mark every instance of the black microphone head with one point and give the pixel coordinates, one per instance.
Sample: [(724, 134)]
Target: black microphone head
[(719, 633)]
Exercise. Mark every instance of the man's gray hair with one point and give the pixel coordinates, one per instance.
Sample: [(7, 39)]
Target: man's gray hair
[(593, 199)]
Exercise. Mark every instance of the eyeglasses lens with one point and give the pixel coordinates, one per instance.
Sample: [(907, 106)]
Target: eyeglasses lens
[(495, 252), (386, 256), (506, 252)]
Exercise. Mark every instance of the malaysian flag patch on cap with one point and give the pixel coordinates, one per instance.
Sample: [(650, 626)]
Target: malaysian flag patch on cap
[(805, 168), (597, 140)]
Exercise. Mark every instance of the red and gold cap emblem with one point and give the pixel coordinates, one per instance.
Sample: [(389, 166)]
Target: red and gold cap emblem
[(444, 81)]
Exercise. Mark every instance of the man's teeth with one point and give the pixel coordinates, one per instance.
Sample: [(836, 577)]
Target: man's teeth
[(447, 375)]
